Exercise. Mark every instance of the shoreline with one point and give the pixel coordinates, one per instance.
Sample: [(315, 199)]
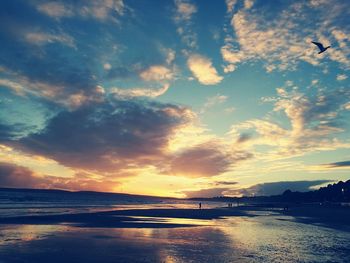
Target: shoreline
[(334, 217), (125, 218)]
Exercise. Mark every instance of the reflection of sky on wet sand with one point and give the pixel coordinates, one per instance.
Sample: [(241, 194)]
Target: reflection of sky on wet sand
[(285, 241), (234, 239), (172, 221), (47, 208), (11, 234)]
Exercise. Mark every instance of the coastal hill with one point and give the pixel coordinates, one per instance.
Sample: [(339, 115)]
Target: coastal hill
[(54, 195), (337, 192)]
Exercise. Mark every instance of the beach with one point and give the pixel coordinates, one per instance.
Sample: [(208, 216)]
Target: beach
[(238, 234)]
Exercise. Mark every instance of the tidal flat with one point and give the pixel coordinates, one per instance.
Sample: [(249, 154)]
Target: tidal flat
[(238, 234)]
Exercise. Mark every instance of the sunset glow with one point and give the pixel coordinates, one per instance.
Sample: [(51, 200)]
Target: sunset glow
[(177, 98)]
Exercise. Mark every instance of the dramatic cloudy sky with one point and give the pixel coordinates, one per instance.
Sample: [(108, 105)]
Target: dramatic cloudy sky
[(174, 97)]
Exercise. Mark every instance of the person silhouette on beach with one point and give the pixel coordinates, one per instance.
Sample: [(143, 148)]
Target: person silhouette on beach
[(200, 205)]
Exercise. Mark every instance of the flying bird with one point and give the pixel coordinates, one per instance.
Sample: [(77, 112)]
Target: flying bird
[(320, 46)]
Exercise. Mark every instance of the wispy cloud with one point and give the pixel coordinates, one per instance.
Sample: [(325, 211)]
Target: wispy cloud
[(341, 77), (157, 73), (169, 55), (206, 193), (102, 10), (56, 9), (277, 188), (184, 11), (283, 42), (343, 164), (139, 92), (40, 38), (213, 101), (248, 4), (315, 122), (230, 5), (61, 94)]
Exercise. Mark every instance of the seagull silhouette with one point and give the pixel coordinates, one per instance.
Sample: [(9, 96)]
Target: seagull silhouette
[(320, 46)]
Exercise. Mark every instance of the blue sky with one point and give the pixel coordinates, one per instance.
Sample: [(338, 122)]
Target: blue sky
[(177, 98)]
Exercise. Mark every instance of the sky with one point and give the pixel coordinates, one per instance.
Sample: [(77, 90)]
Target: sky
[(176, 98)]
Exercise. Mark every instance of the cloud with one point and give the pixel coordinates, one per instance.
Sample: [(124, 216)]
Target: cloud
[(283, 42), (268, 43), (317, 3), (316, 114), (217, 99), (14, 86), (124, 136), (15, 176), (13, 131), (341, 77), (205, 193), (248, 4), (157, 73), (342, 164), (203, 70), (6, 132), (314, 82), (139, 92), (213, 101), (347, 106), (55, 9), (341, 37), (108, 137), (243, 137), (230, 5), (315, 120), (264, 189), (277, 188), (170, 55), (206, 160), (229, 110), (102, 10), (184, 11), (71, 95), (107, 66), (40, 38), (225, 183)]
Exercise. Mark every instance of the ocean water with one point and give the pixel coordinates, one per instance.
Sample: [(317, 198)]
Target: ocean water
[(14, 203)]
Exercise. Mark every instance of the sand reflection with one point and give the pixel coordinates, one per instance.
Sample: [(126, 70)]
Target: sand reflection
[(232, 239)]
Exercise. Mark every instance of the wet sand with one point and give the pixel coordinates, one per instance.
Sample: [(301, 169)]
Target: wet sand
[(126, 218), (330, 216), (244, 234), (335, 217)]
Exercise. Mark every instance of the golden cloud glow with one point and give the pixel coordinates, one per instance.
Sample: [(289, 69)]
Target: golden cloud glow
[(203, 70)]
